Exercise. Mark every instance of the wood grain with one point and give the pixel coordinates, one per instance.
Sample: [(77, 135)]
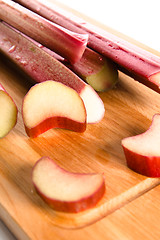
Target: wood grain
[(129, 110), (140, 218)]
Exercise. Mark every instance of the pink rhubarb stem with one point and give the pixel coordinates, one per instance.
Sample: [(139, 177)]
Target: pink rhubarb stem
[(134, 61), (93, 68), (66, 43), (40, 66)]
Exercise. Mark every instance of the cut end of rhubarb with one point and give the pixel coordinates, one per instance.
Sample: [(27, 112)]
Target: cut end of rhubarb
[(142, 152), (8, 113), (105, 78), (66, 191), (93, 104), (52, 104), (96, 70)]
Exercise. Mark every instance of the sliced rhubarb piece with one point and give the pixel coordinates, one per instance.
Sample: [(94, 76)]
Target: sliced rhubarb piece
[(67, 191), (52, 104), (68, 44), (134, 61), (40, 66), (142, 151), (8, 112)]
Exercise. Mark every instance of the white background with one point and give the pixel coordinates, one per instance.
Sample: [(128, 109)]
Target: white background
[(138, 19)]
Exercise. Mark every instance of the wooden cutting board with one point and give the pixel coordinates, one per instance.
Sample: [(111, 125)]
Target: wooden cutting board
[(129, 107)]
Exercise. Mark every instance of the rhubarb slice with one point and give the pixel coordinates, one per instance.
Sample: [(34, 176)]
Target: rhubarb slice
[(52, 104), (68, 44), (142, 151), (66, 191), (8, 112), (40, 66), (134, 61)]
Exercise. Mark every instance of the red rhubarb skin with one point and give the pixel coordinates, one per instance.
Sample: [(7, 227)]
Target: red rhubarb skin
[(73, 206), (38, 66), (92, 61), (68, 44), (55, 122), (130, 59), (146, 165)]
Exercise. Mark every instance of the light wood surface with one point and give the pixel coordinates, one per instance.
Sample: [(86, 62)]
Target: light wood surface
[(129, 110)]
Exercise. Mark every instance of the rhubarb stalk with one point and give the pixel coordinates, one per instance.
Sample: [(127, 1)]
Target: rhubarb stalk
[(66, 43), (95, 69), (134, 61), (41, 66)]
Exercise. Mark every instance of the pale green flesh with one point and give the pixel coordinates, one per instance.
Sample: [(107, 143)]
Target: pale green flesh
[(8, 114)]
